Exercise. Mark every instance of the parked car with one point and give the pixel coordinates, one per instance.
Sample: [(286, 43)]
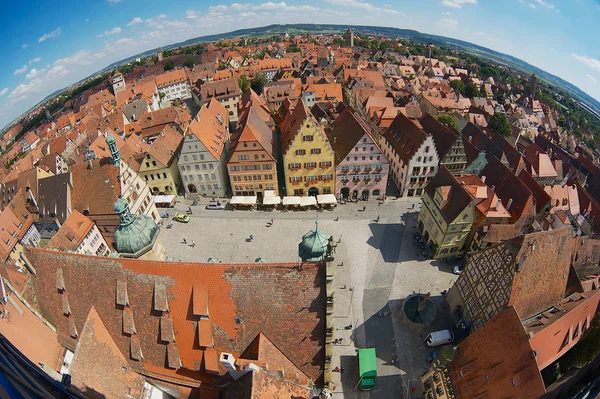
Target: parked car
[(437, 338), (458, 269), (180, 217), (215, 205)]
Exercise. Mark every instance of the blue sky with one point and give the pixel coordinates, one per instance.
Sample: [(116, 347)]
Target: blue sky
[(49, 45)]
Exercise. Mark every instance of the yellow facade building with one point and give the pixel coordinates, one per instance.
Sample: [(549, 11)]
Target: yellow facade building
[(446, 216), (308, 157), (159, 165)]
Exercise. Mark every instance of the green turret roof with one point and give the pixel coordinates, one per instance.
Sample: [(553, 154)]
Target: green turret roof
[(136, 233), (314, 245)]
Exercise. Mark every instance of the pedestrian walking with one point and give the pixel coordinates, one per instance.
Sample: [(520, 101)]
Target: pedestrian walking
[(272, 220), (184, 241), (193, 243)]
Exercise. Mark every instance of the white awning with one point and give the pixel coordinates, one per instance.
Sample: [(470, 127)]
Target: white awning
[(326, 199), (291, 200), (161, 199), (270, 193), (236, 200), (249, 200), (308, 201), (271, 200)]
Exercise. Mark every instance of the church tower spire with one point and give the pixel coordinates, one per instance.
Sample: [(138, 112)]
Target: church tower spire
[(115, 155)]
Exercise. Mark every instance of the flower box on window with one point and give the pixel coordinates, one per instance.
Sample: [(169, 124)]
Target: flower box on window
[(367, 170), (344, 171), (378, 169), (377, 180), (367, 179)]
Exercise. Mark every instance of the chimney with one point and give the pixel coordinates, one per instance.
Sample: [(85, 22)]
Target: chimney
[(510, 201), (498, 204), (228, 361), (483, 179), (90, 166), (470, 139)]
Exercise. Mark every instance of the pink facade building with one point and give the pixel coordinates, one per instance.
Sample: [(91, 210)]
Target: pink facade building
[(361, 168)]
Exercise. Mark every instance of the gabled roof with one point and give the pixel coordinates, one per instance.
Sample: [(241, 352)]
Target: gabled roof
[(497, 360), (71, 233), (444, 137), (253, 128), (165, 147), (170, 78), (458, 197), (210, 127), (539, 161), (508, 187), (109, 373), (101, 181), (348, 129), (542, 199), (405, 136)]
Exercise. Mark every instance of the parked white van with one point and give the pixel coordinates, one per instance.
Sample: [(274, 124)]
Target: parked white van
[(439, 338)]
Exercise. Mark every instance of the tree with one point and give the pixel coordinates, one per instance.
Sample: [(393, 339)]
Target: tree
[(447, 120), (457, 85), (258, 82), (498, 123), (471, 90), (169, 65), (244, 83), (190, 62)]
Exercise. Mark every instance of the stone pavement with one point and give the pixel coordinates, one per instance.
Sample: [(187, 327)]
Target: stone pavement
[(376, 268)]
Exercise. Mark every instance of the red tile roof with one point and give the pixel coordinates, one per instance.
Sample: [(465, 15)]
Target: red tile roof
[(240, 302), (71, 233), (497, 361)]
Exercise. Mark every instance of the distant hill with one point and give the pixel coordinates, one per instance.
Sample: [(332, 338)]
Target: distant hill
[(409, 34), (413, 35)]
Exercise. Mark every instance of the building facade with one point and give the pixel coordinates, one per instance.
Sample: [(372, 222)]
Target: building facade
[(251, 165), (226, 91), (447, 215), (308, 157), (159, 166), (118, 83), (203, 158), (412, 154), (173, 85), (361, 168)]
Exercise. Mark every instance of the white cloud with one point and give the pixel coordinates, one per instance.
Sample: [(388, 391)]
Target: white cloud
[(545, 4), (446, 24), (457, 3), (56, 72), (219, 8), (162, 16), (82, 57), (590, 77), (21, 70), (363, 6), (532, 5), (113, 31), (239, 7), (191, 14), (114, 1), (50, 35), (24, 45), (33, 73), (3, 91), (447, 13), (23, 91), (589, 61), (135, 21), (36, 59)]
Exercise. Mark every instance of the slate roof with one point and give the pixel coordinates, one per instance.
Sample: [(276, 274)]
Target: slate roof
[(443, 136), (458, 197), (348, 129), (508, 186), (405, 136), (240, 301)]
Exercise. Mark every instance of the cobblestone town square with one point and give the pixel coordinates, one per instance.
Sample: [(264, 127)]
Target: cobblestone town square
[(377, 266)]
